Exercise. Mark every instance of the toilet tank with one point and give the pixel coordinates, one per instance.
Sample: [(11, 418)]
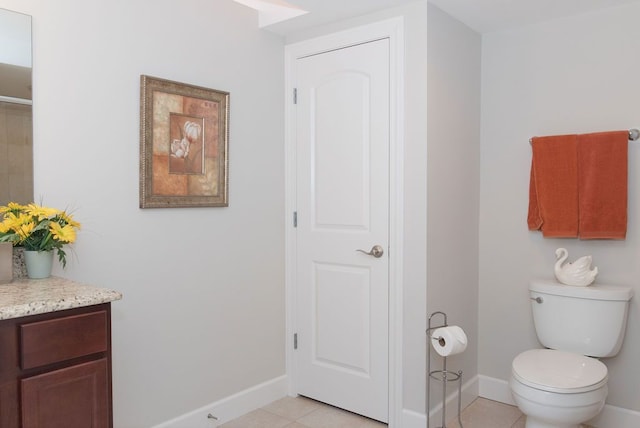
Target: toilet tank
[(585, 320)]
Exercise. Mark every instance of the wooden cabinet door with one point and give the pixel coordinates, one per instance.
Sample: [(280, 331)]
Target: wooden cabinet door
[(73, 397)]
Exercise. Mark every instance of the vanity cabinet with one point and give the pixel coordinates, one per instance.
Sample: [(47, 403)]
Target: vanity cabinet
[(55, 369)]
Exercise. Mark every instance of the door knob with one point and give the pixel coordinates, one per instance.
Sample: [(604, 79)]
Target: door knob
[(376, 251)]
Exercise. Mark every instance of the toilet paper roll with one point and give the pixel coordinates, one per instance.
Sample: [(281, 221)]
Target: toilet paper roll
[(450, 340)]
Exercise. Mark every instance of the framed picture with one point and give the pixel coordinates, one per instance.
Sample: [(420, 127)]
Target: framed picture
[(184, 139)]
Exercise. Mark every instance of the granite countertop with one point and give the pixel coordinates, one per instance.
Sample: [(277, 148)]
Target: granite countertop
[(24, 296)]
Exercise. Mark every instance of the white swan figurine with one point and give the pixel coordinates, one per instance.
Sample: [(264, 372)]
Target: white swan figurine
[(576, 273)]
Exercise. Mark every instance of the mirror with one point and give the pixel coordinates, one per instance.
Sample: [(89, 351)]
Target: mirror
[(16, 131)]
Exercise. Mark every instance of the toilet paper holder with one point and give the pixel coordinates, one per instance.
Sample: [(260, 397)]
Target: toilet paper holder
[(444, 376)]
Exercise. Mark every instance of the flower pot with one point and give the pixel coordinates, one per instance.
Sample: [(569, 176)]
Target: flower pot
[(39, 263)]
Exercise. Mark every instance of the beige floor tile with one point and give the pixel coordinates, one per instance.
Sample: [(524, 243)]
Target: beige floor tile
[(293, 407), (258, 419), (331, 417), (520, 422), (301, 412), (453, 422), (370, 423), (483, 413)]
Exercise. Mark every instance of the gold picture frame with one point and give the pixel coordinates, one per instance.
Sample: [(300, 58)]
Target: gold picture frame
[(184, 144)]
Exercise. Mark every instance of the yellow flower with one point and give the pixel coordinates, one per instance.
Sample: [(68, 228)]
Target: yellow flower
[(24, 229), (63, 233), (11, 206), (37, 228), (41, 212), (68, 218), (15, 222)]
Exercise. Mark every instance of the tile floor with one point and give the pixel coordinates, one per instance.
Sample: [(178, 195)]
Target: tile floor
[(301, 412)]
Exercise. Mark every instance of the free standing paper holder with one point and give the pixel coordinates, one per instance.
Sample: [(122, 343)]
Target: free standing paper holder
[(445, 376)]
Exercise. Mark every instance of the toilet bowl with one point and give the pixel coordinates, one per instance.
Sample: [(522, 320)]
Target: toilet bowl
[(558, 389), (563, 385)]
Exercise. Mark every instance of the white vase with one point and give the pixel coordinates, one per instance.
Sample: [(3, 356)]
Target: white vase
[(39, 263)]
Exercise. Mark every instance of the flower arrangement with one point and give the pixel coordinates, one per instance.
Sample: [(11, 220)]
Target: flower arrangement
[(37, 228)]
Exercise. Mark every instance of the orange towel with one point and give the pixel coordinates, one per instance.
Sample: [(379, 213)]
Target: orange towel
[(602, 184), (553, 190)]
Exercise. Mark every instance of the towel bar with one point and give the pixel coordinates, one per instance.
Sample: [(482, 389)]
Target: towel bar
[(634, 134)]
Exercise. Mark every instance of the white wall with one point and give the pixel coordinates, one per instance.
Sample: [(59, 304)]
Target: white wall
[(415, 156), (203, 309), (578, 75), (453, 166), (196, 324)]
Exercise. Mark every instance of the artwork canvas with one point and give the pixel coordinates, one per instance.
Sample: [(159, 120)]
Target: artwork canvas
[(183, 145)]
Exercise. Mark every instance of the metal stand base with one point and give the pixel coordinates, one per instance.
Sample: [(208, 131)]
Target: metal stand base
[(443, 375)]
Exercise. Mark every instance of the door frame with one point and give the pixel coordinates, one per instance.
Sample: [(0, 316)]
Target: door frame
[(392, 29)]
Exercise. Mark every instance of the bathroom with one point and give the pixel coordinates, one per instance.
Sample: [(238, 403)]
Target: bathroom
[(204, 313)]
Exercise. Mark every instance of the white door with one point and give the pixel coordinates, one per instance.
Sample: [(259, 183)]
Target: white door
[(342, 148)]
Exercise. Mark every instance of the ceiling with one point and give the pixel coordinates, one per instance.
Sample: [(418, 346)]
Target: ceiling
[(481, 15), (323, 12), (492, 15)]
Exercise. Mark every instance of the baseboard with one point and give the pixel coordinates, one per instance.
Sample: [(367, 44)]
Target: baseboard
[(231, 407), (413, 419), (611, 416), (495, 389), (487, 387)]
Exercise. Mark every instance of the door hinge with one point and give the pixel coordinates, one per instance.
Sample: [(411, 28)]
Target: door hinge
[(295, 95), (295, 219), (295, 340)]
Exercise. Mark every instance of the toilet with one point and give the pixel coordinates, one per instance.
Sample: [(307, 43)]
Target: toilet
[(565, 384)]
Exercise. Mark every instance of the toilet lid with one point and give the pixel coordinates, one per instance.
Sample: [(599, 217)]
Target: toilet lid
[(559, 371)]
